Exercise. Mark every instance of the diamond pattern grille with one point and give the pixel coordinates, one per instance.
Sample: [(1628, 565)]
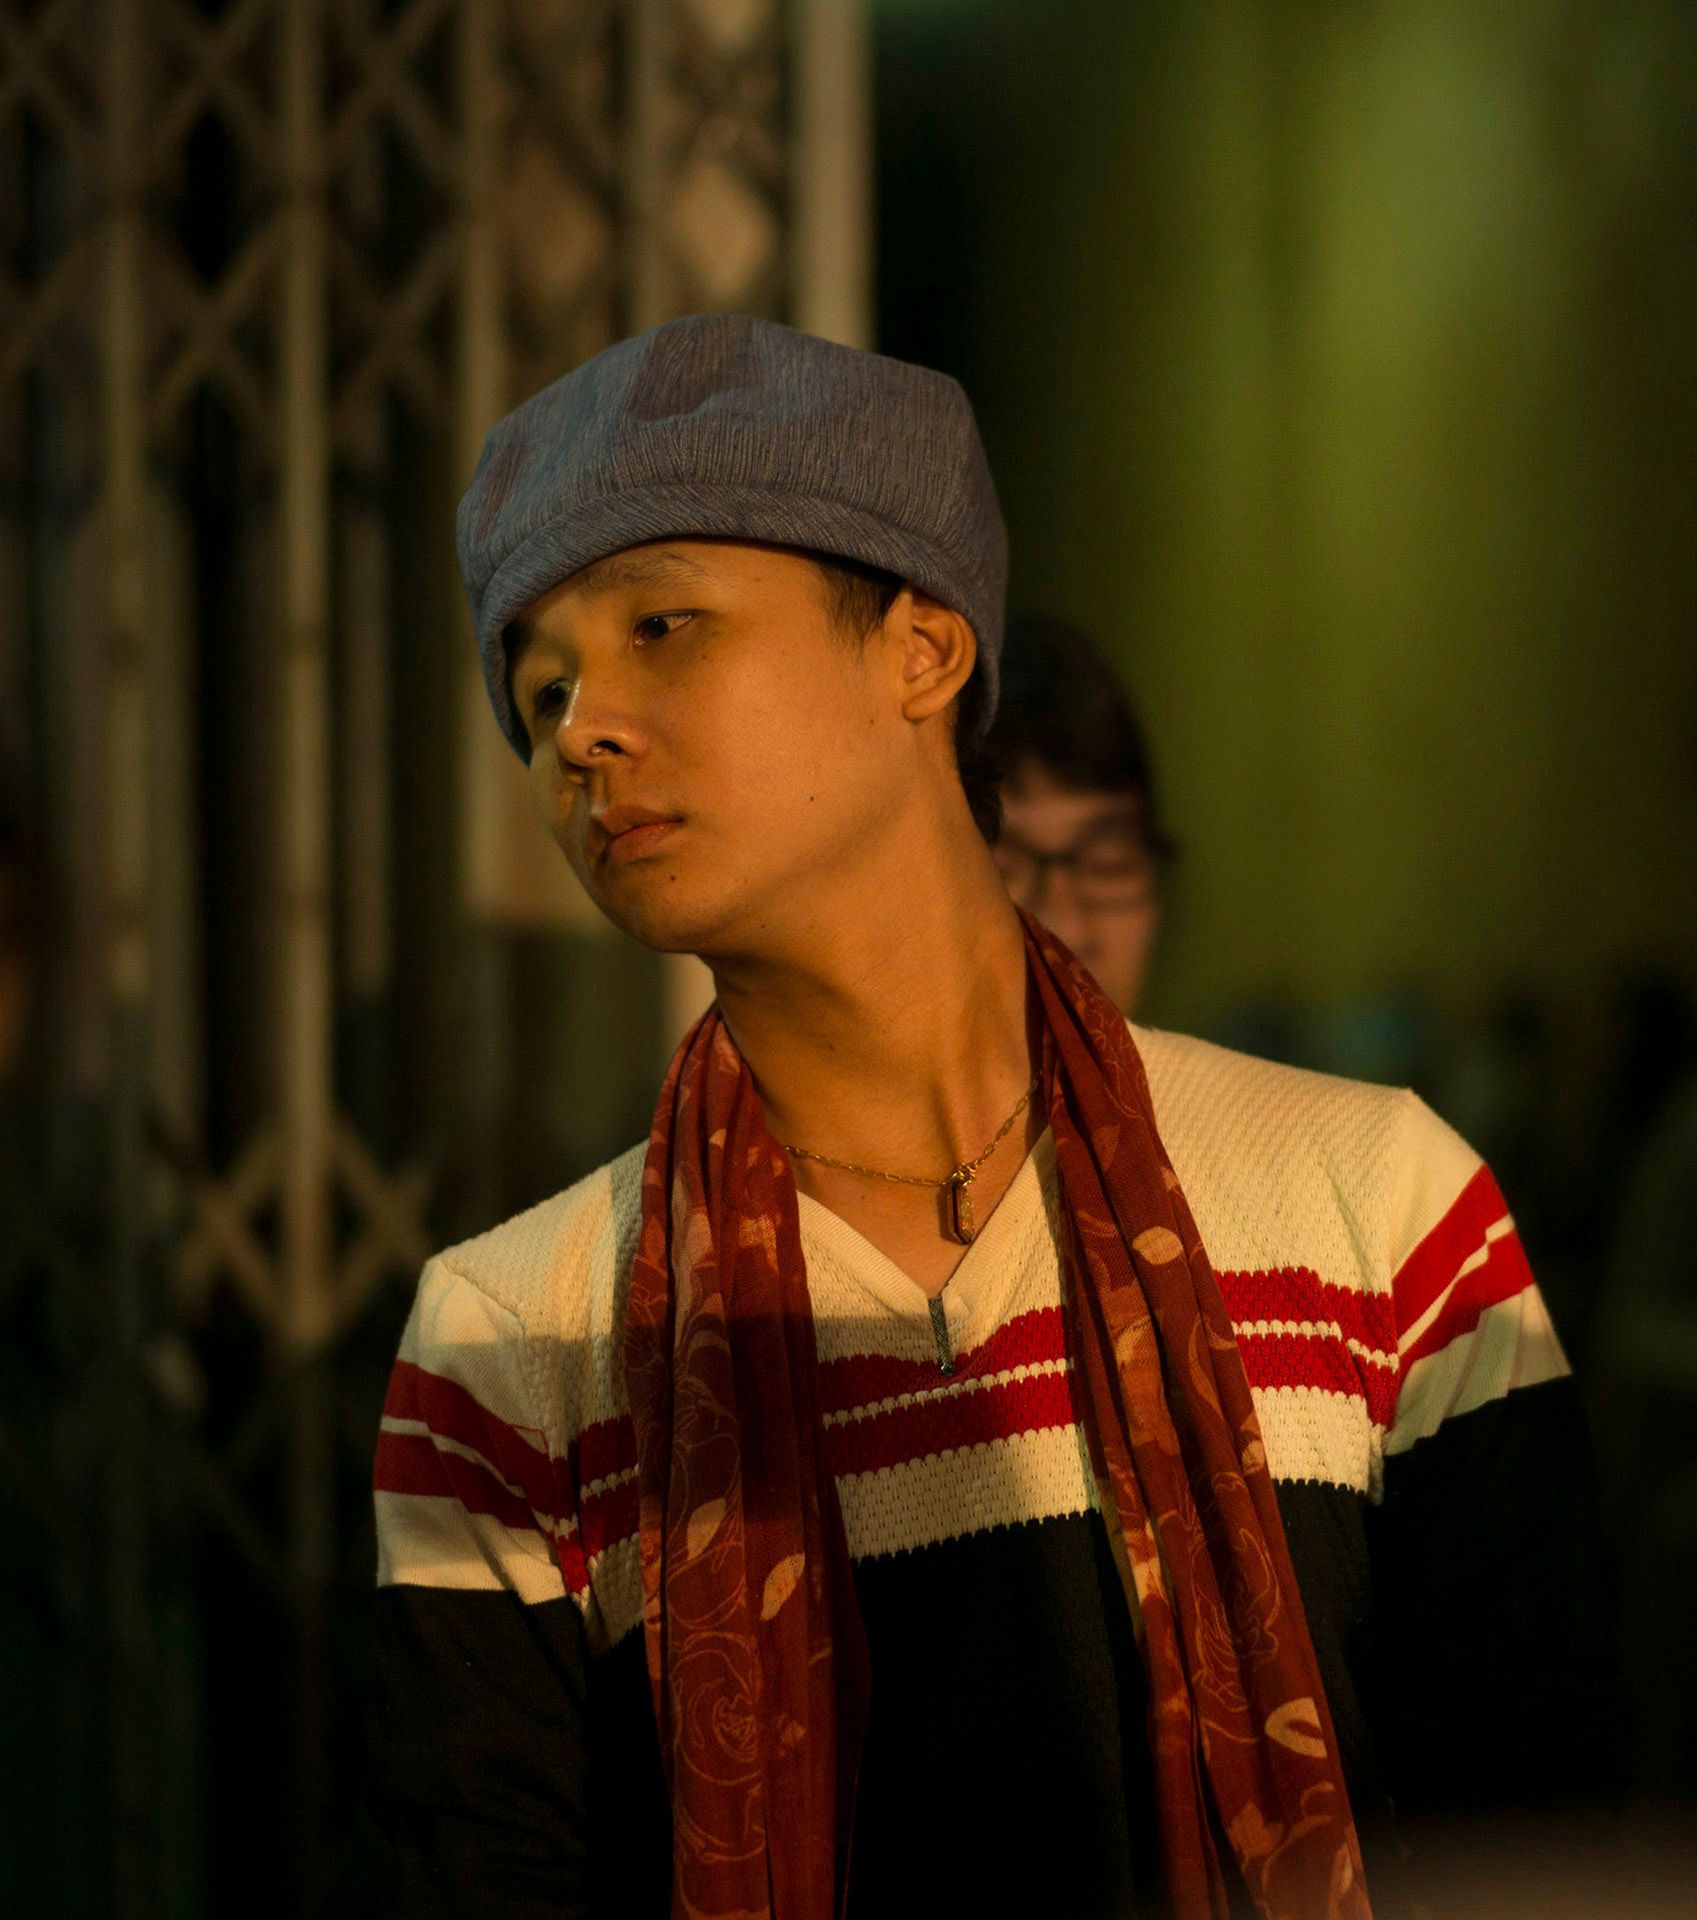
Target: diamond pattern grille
[(241, 280)]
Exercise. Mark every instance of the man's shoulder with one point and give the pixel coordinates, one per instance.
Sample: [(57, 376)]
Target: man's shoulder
[(1289, 1166), (1187, 1075), (1267, 1109), (561, 1260), (505, 1450)]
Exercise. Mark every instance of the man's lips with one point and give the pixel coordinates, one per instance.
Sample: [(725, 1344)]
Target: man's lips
[(619, 835)]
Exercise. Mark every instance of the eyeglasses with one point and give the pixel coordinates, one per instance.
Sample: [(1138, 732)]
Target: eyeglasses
[(1110, 868)]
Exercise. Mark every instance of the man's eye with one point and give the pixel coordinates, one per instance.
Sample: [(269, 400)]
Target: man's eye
[(548, 698), (656, 626), (1112, 862)]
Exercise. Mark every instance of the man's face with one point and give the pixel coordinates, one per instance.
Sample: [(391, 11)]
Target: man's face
[(710, 750), (1079, 862)]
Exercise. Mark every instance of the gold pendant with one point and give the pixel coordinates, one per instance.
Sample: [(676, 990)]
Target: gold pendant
[(960, 1212)]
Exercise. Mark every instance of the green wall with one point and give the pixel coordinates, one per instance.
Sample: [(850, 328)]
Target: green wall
[(1336, 362)]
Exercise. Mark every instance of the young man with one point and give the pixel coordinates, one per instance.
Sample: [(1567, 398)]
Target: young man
[(1080, 844), (974, 1458)]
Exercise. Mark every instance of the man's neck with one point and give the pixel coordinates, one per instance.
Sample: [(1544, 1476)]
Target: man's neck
[(888, 1028)]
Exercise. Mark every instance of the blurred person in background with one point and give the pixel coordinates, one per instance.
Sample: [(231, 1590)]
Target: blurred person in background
[(1094, 1472), (1081, 843)]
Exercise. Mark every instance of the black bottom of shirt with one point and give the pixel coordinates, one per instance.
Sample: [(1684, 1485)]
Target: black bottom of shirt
[(1007, 1768)]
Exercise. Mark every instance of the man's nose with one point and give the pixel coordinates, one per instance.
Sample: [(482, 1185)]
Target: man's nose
[(1034, 887), (1052, 897), (1061, 914), (599, 724)]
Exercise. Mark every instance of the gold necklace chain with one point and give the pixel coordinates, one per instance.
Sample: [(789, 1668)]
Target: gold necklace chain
[(959, 1178)]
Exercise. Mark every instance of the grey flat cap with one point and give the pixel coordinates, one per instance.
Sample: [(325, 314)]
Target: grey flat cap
[(733, 428)]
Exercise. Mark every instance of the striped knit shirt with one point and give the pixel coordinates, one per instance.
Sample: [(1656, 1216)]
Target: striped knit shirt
[(1406, 1378)]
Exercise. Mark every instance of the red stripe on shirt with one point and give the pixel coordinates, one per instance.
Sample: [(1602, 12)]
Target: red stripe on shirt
[(449, 1410), (1433, 1264), (574, 1569), (1315, 1360), (1298, 1293), (865, 1379), (1501, 1275), (608, 1518), (413, 1463), (602, 1449), (948, 1422)]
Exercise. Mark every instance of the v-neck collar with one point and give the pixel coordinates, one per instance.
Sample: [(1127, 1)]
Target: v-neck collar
[(969, 1296)]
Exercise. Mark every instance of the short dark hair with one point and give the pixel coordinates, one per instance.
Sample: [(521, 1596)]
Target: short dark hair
[(1064, 706), (860, 596)]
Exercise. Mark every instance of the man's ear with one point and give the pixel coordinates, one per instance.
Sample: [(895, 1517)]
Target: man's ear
[(937, 651)]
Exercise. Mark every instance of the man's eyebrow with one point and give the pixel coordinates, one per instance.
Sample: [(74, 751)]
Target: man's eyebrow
[(637, 567)]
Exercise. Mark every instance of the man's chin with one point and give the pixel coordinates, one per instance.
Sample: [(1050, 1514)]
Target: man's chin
[(660, 917)]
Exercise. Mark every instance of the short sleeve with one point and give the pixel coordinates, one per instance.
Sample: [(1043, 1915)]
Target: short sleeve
[(1471, 1325), (467, 1493)]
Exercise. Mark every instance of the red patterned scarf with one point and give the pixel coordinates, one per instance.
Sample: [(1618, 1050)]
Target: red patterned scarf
[(755, 1647)]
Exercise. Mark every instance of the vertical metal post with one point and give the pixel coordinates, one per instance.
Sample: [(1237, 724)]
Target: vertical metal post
[(304, 769), (125, 503), (176, 1064), (645, 163), (481, 384), (125, 1531), (486, 774), (365, 827), (483, 373), (363, 700), (303, 1027), (831, 172)]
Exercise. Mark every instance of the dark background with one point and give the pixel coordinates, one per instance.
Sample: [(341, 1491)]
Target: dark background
[(1335, 365)]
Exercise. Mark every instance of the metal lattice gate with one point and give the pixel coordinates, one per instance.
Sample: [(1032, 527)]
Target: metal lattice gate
[(270, 270)]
